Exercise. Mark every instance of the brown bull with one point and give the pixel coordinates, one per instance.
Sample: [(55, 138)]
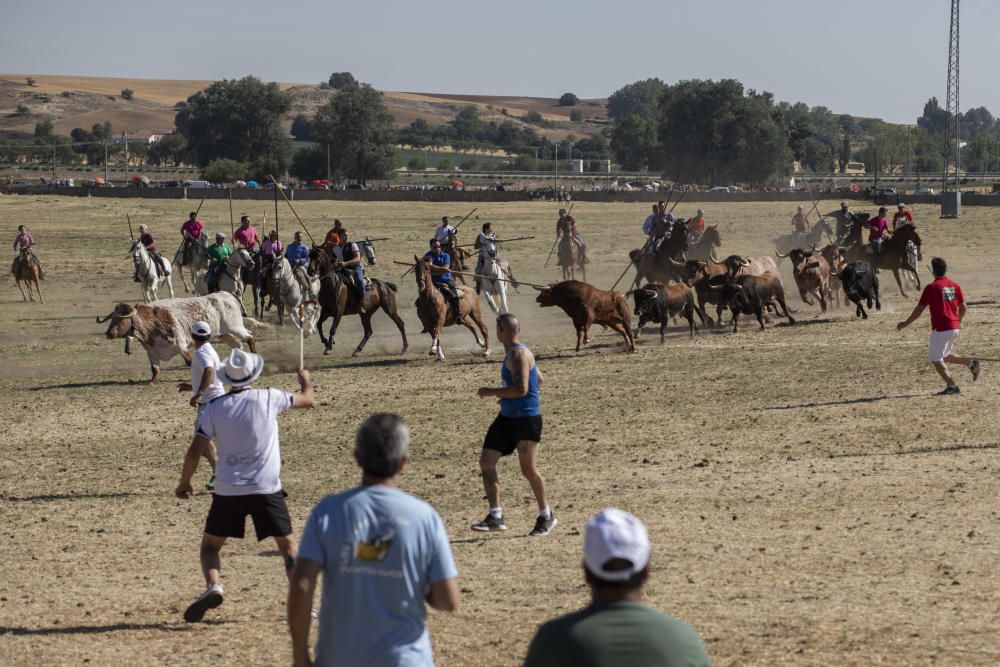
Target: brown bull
[(587, 305), (812, 274), (701, 274)]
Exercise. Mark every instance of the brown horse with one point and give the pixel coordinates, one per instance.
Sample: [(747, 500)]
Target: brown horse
[(337, 298), (436, 313), (25, 270), (894, 253), (660, 264), (570, 258), (456, 253)]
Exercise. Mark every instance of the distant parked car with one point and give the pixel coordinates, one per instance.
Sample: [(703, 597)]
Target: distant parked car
[(194, 185), (720, 188), (924, 191), (172, 184)]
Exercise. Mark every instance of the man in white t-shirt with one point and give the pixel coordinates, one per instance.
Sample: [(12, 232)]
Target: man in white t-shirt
[(244, 424), (205, 364)]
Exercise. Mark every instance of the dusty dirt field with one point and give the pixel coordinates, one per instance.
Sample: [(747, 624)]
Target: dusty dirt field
[(809, 501)]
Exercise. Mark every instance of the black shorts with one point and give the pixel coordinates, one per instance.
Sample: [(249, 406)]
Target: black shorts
[(227, 515), (506, 432)]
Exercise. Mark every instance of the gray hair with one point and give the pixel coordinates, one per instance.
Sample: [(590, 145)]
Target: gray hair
[(381, 444)]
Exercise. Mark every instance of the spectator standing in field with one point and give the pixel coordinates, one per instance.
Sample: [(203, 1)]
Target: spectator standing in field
[(244, 425), (383, 554), (947, 303), (205, 382), (518, 428), (800, 226), (616, 629)]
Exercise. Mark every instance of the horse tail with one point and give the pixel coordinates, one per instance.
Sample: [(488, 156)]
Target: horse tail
[(392, 286)]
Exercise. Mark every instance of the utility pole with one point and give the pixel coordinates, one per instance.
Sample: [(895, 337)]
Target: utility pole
[(53, 161), (555, 164), (536, 159), (106, 161), (125, 138), (951, 205), (328, 162)]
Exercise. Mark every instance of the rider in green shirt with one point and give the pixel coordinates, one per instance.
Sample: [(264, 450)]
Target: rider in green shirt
[(218, 255)]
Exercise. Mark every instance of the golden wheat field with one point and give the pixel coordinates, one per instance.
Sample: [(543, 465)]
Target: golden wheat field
[(809, 501)]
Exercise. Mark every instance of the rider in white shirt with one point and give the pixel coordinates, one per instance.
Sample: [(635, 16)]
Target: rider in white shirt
[(485, 243)]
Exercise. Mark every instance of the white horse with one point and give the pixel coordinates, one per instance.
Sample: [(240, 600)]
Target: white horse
[(196, 260), (230, 279), (492, 265), (295, 292), (149, 278)]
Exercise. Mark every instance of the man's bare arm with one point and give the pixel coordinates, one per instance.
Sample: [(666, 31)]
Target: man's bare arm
[(304, 398), (444, 595), (199, 445), (301, 589)]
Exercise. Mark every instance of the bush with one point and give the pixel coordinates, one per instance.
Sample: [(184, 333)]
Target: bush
[(568, 100), (524, 163), (576, 116), (127, 93), (66, 93), (468, 165), (31, 82), (22, 110), (445, 165), (224, 170), (416, 164)]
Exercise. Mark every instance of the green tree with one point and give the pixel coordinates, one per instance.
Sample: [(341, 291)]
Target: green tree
[(309, 163), (524, 163), (30, 81), (239, 120), (416, 164), (340, 80), (43, 129), (845, 154), (576, 116), (533, 117), (128, 93), (171, 149), (934, 119), (22, 110), (635, 143), (467, 126), (445, 165), (224, 170), (641, 98), (302, 128), (359, 129), (468, 164), (568, 100)]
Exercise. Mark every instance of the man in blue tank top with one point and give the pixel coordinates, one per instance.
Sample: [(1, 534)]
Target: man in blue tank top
[(517, 427)]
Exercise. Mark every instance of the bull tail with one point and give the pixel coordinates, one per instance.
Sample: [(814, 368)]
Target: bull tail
[(249, 321)]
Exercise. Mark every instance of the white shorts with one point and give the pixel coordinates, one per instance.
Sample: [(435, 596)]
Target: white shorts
[(941, 344)]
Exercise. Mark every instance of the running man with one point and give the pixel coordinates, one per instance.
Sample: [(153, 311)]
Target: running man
[(947, 303), (800, 226), (244, 424), (205, 382), (517, 427)]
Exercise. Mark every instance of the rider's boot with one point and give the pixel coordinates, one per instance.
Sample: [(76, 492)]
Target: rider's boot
[(479, 286), (456, 306)]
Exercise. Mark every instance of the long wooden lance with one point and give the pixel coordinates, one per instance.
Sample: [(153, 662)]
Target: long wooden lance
[(198, 210), (482, 277), (232, 226), (553, 248), (466, 217), (518, 238), (130, 235), (306, 229)]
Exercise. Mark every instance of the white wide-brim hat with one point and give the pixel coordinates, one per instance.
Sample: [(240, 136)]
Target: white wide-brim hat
[(241, 368)]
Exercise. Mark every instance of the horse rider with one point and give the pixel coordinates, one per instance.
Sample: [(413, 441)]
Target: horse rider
[(650, 222), (149, 243), (270, 250), (297, 252), (193, 229), (800, 226), (566, 226), (334, 232), (245, 235), (448, 236), (696, 227), (662, 227), (24, 241), (901, 217), (350, 262), (844, 219), (485, 243), (441, 277), (878, 231), (218, 256)]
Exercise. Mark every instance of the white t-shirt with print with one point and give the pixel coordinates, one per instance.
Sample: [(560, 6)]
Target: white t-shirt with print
[(244, 425), (205, 357)]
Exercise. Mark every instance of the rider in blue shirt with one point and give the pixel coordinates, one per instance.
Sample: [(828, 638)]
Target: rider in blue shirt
[(441, 277), (297, 252)]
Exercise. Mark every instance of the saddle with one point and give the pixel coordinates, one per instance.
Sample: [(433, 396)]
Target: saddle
[(351, 279)]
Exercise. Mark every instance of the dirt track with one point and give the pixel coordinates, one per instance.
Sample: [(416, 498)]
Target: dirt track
[(809, 501)]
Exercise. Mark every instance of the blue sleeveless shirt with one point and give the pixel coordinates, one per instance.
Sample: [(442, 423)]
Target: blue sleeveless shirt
[(528, 405)]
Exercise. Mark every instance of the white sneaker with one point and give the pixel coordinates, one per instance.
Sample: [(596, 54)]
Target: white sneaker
[(210, 599)]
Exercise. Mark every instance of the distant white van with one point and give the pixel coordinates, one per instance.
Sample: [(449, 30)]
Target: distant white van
[(194, 185)]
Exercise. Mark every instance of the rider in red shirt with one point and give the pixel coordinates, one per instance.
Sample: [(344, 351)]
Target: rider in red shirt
[(947, 303), (901, 217)]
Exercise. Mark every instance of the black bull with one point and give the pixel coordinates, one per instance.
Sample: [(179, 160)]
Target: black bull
[(860, 282), (657, 303)]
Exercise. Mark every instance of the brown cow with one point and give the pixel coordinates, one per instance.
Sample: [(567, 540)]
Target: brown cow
[(701, 274), (812, 274), (587, 305)]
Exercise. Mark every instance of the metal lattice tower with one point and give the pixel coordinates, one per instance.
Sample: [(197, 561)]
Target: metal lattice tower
[(953, 136)]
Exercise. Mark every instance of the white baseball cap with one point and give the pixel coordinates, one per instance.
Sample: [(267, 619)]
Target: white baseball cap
[(201, 328), (615, 534), (241, 368)]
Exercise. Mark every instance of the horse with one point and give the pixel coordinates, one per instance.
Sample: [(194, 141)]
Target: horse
[(786, 242), (704, 248), (230, 278), (456, 253), (300, 296), (436, 313), (895, 253), (149, 278), (495, 268), (25, 269), (191, 254), (657, 266), (570, 258), (337, 298)]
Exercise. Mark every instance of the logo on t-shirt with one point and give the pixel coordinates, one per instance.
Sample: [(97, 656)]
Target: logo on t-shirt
[(948, 293), (374, 549)]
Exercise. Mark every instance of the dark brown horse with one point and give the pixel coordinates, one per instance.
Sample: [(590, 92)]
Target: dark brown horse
[(337, 298), (894, 253), (436, 313), (26, 270), (456, 253), (658, 265)]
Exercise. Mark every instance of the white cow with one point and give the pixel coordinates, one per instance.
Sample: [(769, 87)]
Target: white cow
[(163, 327)]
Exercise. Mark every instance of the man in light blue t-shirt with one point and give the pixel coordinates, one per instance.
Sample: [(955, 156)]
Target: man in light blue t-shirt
[(383, 554)]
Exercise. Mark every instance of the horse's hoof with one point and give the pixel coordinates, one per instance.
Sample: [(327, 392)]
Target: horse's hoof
[(327, 351), (355, 353), (487, 352)]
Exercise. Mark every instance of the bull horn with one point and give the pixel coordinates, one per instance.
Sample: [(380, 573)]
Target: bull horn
[(650, 293), (744, 262), (814, 247), (675, 262), (540, 289), (718, 286), (102, 320), (780, 256), (712, 256), (629, 293)]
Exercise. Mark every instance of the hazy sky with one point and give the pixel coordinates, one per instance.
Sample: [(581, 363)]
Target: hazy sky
[(880, 58)]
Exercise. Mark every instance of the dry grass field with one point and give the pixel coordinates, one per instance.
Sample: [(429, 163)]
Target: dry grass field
[(809, 501)]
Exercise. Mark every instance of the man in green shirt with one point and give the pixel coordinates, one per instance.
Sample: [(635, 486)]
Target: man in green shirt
[(616, 629), (218, 255)]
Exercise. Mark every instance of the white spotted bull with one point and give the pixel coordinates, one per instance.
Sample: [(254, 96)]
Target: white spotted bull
[(163, 328)]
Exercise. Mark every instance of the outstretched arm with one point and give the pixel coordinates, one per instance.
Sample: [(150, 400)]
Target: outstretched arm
[(917, 311)]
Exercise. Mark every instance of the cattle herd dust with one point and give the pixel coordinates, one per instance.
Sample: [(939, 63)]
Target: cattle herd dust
[(809, 501)]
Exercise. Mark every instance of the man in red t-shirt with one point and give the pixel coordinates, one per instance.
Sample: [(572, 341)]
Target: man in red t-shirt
[(901, 217), (947, 303)]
